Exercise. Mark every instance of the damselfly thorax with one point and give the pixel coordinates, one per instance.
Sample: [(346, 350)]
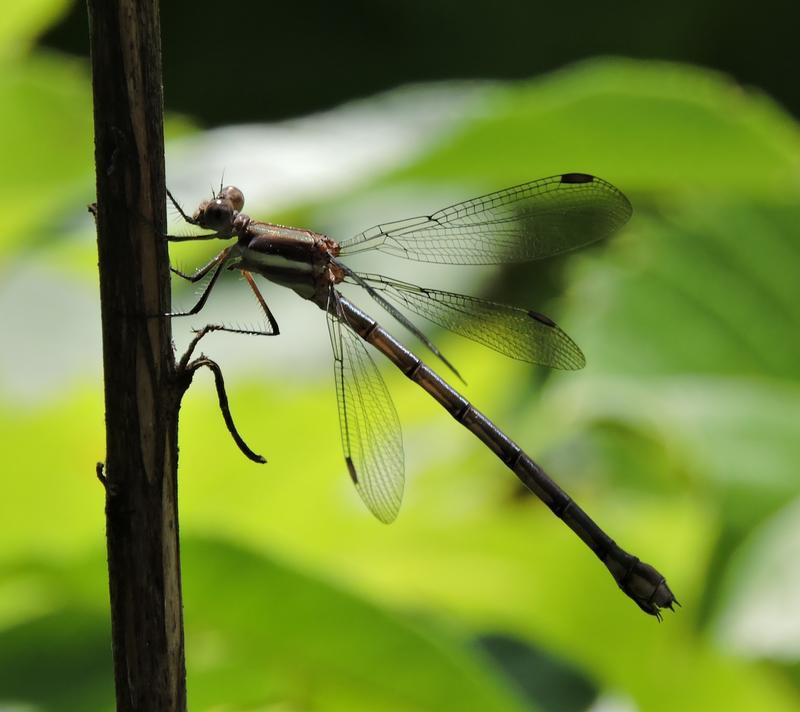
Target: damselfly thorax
[(292, 257)]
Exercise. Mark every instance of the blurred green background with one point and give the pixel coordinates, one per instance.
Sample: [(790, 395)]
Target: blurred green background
[(680, 436)]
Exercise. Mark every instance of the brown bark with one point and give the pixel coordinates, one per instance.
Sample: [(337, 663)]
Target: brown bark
[(141, 392)]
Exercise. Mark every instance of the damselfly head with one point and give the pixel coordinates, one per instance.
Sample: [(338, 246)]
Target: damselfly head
[(219, 213), (233, 194), (215, 215)]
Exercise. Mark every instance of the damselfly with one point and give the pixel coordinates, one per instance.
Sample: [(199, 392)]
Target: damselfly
[(527, 222)]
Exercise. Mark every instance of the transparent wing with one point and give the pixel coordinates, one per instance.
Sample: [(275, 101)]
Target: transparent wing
[(371, 436), (370, 288), (538, 219), (518, 333)]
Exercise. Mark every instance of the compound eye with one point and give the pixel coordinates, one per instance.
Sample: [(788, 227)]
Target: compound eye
[(217, 215), (234, 195)]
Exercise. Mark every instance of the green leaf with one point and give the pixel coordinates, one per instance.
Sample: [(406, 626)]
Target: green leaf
[(22, 22), (265, 633), (756, 616), (681, 429), (46, 143), (646, 126), (258, 634), (710, 289)]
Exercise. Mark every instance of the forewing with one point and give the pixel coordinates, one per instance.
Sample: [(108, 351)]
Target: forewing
[(518, 333), (371, 436), (527, 222)]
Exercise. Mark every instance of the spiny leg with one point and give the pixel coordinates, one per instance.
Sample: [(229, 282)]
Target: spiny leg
[(274, 329), (201, 272), (178, 207), (193, 238), (191, 221), (219, 261), (273, 324)]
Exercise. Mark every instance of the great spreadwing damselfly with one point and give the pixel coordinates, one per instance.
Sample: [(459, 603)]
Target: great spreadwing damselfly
[(531, 221)]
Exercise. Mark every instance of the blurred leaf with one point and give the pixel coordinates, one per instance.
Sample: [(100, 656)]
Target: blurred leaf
[(263, 632), (45, 140), (60, 661), (56, 444), (711, 289), (682, 427), (22, 22), (457, 548), (712, 292), (732, 435), (758, 616), (645, 126), (56, 654), (553, 681), (258, 634)]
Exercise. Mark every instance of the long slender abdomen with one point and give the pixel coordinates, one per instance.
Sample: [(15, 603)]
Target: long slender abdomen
[(639, 580)]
